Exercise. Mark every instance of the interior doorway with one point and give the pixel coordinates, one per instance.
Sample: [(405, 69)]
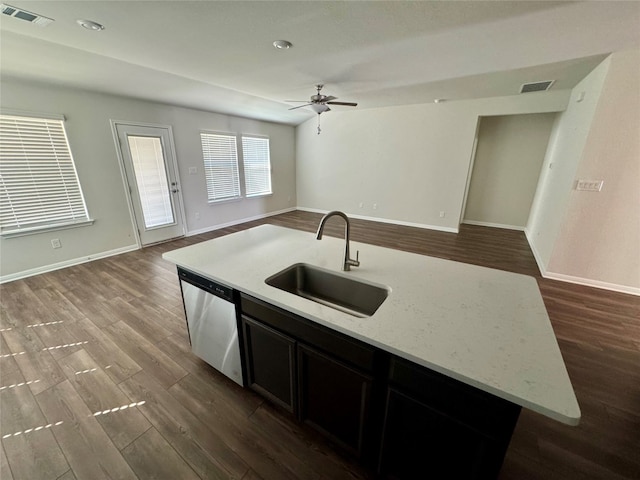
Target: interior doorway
[(150, 172), (508, 158)]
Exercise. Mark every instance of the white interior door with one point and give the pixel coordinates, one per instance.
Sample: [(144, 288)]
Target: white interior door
[(150, 171)]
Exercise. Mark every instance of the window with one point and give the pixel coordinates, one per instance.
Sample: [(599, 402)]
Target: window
[(220, 166), (39, 187), (220, 152), (147, 158), (257, 166)]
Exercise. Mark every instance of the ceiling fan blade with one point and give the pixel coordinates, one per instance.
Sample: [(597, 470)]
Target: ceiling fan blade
[(297, 101), (300, 106), (346, 104), (329, 98)]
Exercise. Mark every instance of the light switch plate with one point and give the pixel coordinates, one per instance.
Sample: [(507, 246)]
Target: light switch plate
[(589, 185)]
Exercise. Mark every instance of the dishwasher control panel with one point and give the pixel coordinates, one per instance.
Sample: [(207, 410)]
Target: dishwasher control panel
[(210, 286)]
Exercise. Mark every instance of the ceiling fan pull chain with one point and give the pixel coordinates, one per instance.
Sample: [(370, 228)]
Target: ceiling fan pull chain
[(318, 124)]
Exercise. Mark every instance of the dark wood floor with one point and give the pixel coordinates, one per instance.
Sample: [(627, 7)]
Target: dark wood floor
[(97, 380)]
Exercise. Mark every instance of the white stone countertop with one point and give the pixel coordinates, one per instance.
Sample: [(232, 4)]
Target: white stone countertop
[(484, 327)]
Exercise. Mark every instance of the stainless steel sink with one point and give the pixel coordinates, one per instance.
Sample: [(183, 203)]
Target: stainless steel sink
[(355, 297)]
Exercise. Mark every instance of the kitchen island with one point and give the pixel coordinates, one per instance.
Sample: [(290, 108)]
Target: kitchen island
[(477, 333)]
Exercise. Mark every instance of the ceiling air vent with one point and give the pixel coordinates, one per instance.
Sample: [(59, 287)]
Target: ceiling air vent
[(536, 86), (24, 15)]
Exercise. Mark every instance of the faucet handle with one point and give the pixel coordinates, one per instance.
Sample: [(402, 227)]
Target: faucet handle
[(356, 262)]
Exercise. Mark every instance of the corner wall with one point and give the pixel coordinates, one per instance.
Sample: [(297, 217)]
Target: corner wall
[(94, 151), (599, 240), (506, 169), (566, 143), (403, 164)]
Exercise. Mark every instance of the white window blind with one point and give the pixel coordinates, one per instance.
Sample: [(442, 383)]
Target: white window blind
[(39, 186), (220, 166), (257, 165), (151, 178)]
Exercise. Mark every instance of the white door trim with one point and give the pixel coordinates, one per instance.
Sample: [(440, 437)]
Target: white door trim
[(125, 184), (472, 162)]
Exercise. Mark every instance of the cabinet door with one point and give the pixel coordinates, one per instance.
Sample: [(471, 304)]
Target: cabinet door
[(270, 361), (333, 398), (420, 442)]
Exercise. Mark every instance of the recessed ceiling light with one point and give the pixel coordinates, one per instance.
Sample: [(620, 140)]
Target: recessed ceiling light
[(282, 44), (89, 25), (439, 100)]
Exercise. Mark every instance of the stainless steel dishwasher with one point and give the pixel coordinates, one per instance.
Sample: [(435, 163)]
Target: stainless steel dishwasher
[(211, 320)]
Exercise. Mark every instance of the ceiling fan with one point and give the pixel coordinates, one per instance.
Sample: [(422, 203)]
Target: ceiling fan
[(320, 103)]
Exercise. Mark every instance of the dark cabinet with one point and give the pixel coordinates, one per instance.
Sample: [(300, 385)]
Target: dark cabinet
[(436, 424), (270, 361), (401, 419), (414, 433), (333, 398)]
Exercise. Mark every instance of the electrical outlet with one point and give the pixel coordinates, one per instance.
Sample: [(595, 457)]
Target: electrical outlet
[(442, 214), (193, 170), (375, 206), (361, 204), (55, 243), (589, 185), (197, 215)]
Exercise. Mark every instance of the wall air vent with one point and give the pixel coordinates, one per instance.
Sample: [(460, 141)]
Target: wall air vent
[(24, 15), (536, 86)]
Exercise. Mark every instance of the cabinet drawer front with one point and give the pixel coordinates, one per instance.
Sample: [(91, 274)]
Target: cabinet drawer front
[(481, 410), (349, 350)]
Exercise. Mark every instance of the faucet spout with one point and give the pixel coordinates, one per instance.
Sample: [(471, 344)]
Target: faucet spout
[(348, 261)]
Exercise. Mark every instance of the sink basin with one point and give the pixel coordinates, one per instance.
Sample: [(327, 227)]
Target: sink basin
[(339, 291)]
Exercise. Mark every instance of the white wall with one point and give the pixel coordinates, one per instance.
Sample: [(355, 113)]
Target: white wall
[(506, 168), (412, 162), (599, 240), (566, 144), (94, 152)]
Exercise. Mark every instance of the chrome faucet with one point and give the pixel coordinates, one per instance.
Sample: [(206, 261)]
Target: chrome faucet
[(348, 262)]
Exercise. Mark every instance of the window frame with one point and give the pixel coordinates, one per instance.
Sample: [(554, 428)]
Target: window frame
[(268, 162), (229, 198), (74, 195), (240, 165)]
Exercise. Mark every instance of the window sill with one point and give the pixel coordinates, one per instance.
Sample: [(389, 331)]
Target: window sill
[(258, 195), (45, 228)]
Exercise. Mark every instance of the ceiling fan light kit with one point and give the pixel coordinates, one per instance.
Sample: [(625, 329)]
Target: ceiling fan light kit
[(282, 44), (320, 103)]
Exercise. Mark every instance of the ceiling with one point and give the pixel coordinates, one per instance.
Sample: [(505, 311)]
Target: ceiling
[(218, 55)]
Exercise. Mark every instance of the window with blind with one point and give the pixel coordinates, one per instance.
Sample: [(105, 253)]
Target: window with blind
[(39, 187), (220, 166), (257, 166)]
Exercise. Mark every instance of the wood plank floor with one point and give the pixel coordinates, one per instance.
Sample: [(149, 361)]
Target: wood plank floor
[(97, 379)]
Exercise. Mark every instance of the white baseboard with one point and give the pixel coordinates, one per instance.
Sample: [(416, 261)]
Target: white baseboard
[(495, 225), (384, 220), (592, 283), (578, 280), (190, 233), (67, 263), (541, 266)]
